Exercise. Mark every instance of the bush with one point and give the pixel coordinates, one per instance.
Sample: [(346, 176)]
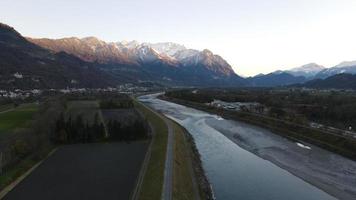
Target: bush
[(21, 148)]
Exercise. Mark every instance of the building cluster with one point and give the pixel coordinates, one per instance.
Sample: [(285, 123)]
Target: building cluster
[(17, 93), (238, 106)]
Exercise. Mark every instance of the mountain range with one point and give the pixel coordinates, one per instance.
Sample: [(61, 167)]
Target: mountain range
[(303, 74), (166, 63), (338, 81), (91, 62), (308, 71)]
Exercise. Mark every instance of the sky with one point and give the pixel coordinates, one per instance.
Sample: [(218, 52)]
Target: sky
[(254, 36)]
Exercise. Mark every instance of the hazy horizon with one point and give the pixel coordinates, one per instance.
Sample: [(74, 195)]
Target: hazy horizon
[(254, 37)]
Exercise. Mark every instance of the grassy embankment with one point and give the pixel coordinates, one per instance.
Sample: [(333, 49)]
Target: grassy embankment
[(335, 143), (189, 179), (152, 184), (183, 173), (183, 187)]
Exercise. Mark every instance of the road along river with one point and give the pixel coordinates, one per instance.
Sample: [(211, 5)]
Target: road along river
[(246, 162)]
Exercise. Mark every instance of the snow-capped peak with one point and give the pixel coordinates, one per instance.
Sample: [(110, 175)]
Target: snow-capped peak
[(308, 68), (346, 64), (128, 44), (167, 48)]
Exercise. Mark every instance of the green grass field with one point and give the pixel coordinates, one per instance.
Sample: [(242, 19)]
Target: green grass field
[(17, 118)]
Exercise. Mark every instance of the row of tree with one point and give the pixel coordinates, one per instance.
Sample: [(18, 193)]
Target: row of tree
[(135, 131), (77, 130), (116, 103)]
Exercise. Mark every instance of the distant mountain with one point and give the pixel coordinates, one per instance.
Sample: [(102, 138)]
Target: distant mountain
[(278, 78), (338, 81), (24, 65), (344, 67), (308, 70), (286, 77), (166, 63)]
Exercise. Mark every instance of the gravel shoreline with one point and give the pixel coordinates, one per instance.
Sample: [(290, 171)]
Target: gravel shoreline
[(203, 182), (327, 171)]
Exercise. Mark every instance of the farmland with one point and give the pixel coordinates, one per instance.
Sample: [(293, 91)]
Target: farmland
[(103, 134)]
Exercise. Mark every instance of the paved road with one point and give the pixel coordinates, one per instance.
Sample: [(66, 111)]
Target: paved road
[(167, 192), (85, 171), (168, 171)]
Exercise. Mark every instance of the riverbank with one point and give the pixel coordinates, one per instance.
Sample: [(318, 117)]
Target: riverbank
[(332, 173), (191, 158), (152, 184), (189, 180)]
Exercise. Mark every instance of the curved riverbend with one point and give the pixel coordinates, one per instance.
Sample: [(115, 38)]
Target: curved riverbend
[(235, 172)]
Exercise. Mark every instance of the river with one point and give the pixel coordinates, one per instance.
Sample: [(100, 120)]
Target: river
[(237, 159)]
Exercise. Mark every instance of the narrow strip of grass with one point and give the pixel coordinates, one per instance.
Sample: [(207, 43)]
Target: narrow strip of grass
[(183, 174), (11, 175), (153, 179), (23, 166), (5, 107)]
